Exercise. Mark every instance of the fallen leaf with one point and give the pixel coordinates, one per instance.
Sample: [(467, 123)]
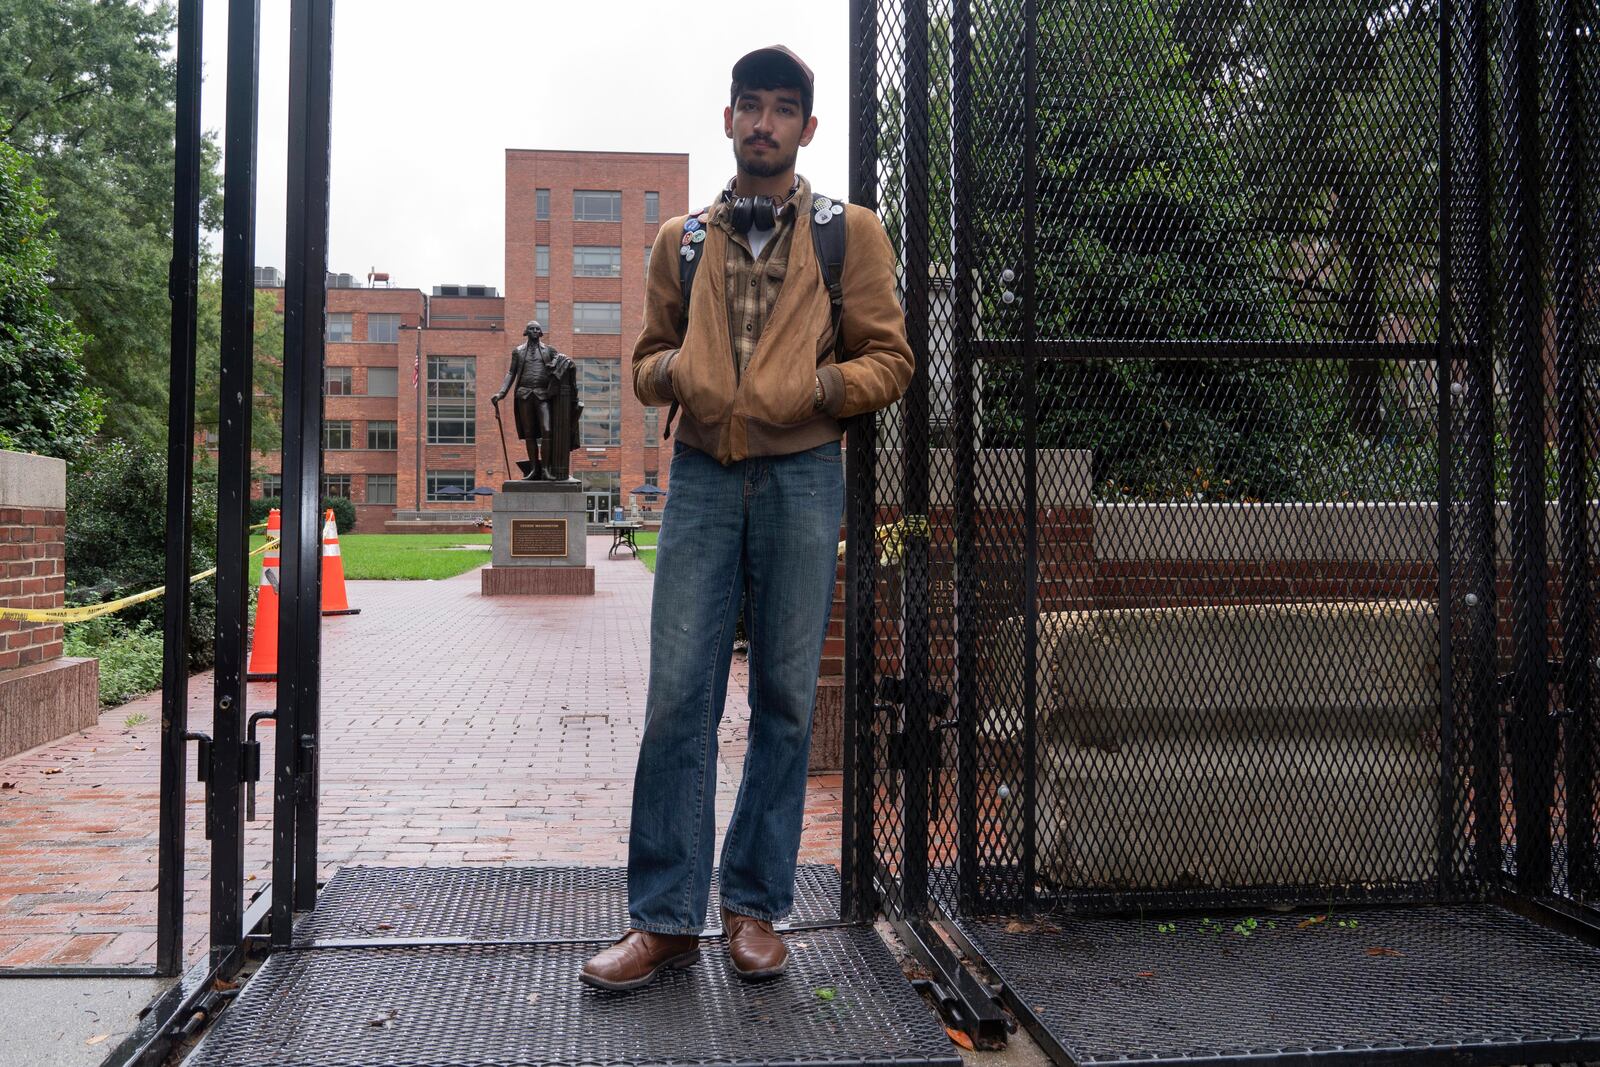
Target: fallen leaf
[(96, 1039), (1015, 927), (1378, 950), (960, 1037), (533, 998), (51, 770), (225, 983), (386, 926), (825, 993), (385, 1020), (1147, 974), (1313, 921)]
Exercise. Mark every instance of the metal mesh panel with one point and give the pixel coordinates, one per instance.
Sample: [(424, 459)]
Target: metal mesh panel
[(1458, 984), (1148, 587), (522, 1006), (512, 903)]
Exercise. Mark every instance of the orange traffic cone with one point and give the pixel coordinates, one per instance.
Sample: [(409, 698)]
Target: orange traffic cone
[(334, 601), (264, 644)]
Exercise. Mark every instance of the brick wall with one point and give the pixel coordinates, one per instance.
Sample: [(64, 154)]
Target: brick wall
[(33, 574)]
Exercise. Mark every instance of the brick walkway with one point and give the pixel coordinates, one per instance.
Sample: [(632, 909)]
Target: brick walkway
[(458, 729)]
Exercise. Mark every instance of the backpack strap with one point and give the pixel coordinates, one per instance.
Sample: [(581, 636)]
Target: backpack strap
[(689, 249), (828, 238)]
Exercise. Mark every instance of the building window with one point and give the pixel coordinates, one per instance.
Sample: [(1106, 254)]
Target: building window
[(593, 205), (336, 485), (600, 389), (452, 397), (652, 207), (440, 481), (272, 485), (336, 435), (541, 261), (383, 381), (541, 312), (541, 204), (380, 489), (647, 250), (382, 437), (652, 426), (385, 328), (588, 317), (596, 261), (336, 381), (341, 327)]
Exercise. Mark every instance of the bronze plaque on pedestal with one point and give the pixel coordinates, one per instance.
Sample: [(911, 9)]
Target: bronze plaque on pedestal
[(544, 538)]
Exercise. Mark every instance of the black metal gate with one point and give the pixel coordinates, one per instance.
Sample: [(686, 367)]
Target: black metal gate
[(1235, 542)]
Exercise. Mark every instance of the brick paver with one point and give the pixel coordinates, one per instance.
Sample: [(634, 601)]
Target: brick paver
[(457, 729)]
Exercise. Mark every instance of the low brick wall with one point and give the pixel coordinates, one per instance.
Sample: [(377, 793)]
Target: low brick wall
[(42, 696)]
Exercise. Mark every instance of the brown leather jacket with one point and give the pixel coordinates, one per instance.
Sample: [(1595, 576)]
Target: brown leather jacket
[(768, 409)]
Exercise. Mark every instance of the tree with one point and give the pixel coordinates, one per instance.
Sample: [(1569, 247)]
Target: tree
[(87, 91), (44, 405), (267, 378), (1144, 222)]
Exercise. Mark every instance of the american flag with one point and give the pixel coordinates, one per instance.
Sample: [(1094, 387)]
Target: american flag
[(416, 369)]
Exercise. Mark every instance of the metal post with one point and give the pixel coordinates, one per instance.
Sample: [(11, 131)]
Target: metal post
[(183, 282), (1531, 737), (857, 861), (1030, 389), (1472, 280), (922, 741), (226, 807), (294, 838), (966, 527), (1444, 375), (1564, 191)]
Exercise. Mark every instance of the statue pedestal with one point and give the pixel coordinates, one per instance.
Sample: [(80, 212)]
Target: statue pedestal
[(540, 541)]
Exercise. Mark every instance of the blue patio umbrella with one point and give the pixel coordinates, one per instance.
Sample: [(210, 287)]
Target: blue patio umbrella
[(450, 490), (650, 489), (483, 490)]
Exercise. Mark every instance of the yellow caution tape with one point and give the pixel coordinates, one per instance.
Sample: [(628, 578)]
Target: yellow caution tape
[(94, 611)]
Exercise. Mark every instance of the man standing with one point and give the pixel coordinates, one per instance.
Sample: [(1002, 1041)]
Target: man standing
[(755, 508)]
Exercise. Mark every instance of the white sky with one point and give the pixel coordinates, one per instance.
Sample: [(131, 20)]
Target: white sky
[(427, 96)]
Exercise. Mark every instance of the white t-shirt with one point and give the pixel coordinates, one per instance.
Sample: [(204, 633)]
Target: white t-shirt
[(759, 239)]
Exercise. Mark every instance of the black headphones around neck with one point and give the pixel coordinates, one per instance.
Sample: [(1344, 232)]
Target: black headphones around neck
[(758, 211)]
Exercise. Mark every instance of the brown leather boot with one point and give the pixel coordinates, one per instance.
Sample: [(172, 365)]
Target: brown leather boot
[(637, 957), (754, 948)]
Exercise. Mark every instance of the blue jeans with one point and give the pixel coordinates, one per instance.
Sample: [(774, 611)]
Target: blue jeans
[(768, 527)]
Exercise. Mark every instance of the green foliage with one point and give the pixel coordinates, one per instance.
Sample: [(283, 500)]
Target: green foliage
[(117, 537), (87, 91), (44, 404), (344, 510), (129, 655), (266, 408)]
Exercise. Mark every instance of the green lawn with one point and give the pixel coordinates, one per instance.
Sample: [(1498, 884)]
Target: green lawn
[(399, 555), (646, 540)]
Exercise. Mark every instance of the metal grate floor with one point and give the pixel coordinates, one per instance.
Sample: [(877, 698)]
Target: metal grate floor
[(440, 904), (1469, 983), (522, 1005), (517, 1002)]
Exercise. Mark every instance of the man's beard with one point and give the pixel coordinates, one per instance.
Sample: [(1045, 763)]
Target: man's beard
[(769, 167)]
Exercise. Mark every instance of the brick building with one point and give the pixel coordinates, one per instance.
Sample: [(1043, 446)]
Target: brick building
[(409, 374), (579, 227)]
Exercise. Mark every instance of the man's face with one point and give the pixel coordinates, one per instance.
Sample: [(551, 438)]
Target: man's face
[(767, 130)]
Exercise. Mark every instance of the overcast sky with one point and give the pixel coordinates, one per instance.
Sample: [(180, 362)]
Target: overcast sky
[(427, 96)]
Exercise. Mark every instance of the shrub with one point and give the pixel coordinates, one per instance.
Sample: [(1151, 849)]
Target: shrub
[(344, 510), (129, 655)]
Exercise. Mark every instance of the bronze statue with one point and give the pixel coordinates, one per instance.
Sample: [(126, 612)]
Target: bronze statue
[(547, 406)]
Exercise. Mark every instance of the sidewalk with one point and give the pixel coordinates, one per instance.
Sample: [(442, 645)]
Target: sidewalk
[(457, 729)]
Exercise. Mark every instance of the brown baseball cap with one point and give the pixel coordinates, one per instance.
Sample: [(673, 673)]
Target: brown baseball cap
[(777, 58)]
